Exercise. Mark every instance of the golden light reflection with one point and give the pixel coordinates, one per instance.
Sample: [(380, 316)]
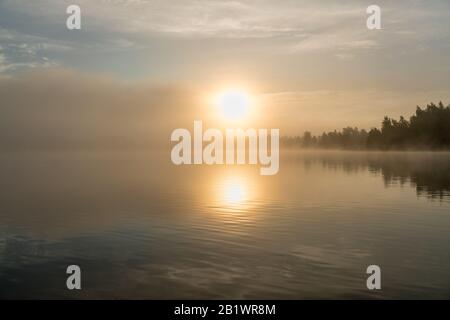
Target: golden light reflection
[(233, 196), (234, 192)]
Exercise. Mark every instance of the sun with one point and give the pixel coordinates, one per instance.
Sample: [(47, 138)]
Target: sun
[(233, 103)]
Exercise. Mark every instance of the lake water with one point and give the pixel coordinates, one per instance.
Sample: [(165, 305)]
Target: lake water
[(140, 227)]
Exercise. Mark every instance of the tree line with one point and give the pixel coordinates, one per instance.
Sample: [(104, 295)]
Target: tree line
[(428, 128)]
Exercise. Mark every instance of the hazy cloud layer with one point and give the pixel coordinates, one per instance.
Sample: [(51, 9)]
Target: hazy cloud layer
[(124, 28), (57, 108), (64, 109)]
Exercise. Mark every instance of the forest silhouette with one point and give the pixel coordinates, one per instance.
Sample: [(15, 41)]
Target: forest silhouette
[(428, 128)]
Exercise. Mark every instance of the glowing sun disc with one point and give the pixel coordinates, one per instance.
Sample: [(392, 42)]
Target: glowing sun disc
[(234, 104)]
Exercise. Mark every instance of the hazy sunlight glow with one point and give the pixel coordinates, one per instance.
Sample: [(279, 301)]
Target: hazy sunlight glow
[(234, 104)]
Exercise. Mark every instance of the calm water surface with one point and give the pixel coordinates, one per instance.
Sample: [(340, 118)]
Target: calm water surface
[(140, 227)]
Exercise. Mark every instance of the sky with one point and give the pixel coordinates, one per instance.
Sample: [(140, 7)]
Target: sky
[(311, 65)]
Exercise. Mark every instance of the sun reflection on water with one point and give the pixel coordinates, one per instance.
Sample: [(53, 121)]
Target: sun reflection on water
[(235, 198), (234, 192), (232, 196)]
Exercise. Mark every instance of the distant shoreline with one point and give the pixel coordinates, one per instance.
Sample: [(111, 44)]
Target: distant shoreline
[(427, 129), (284, 148)]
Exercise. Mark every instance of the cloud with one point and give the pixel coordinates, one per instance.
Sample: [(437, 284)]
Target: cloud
[(289, 43), (21, 51), (204, 18), (121, 29), (6, 66), (3, 65), (229, 19)]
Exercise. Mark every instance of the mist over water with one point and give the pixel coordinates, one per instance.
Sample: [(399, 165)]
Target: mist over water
[(140, 227)]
